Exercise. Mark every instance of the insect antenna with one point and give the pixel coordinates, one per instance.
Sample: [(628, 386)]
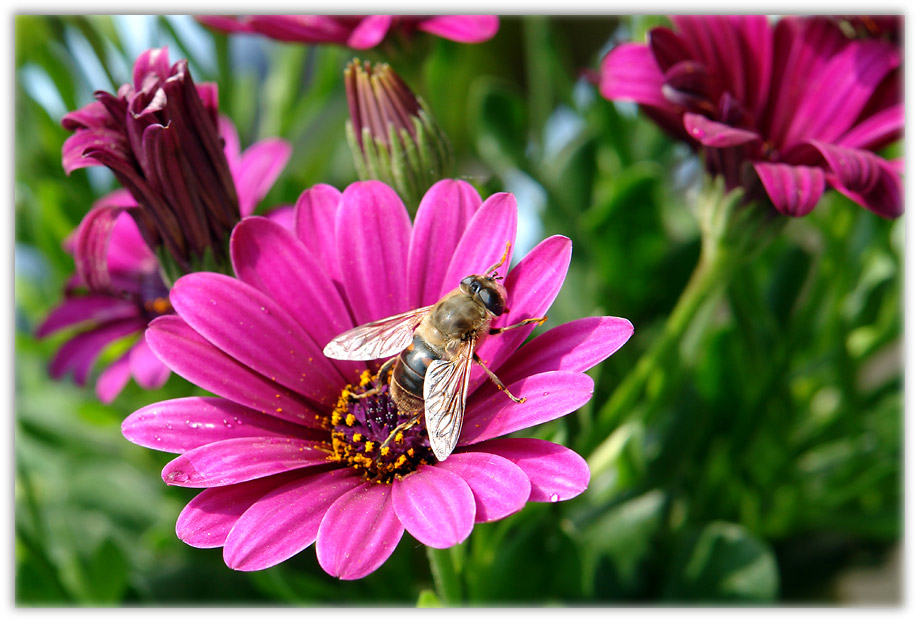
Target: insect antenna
[(494, 267)]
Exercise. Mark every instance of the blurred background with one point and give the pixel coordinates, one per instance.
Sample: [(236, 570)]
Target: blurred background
[(764, 465)]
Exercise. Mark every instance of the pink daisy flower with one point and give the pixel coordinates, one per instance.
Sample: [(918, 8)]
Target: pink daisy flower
[(285, 453), (118, 288), (360, 32)]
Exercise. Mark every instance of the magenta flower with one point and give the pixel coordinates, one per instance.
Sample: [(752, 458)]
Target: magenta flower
[(360, 32), (802, 103), (287, 456), (160, 136), (119, 288)]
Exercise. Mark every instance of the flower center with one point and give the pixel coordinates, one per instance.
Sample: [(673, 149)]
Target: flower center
[(362, 425)]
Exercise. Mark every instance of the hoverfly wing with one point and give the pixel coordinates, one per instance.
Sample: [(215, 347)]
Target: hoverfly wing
[(446, 384), (378, 339)]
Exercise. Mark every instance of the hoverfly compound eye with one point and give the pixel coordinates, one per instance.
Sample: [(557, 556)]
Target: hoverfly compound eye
[(493, 301)]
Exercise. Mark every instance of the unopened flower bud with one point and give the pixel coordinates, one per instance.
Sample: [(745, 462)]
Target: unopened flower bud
[(392, 135)]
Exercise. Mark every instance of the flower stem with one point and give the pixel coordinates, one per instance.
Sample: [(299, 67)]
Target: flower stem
[(728, 236), (446, 577)]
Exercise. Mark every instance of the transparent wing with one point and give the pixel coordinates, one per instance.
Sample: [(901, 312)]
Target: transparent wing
[(378, 339), (446, 385)]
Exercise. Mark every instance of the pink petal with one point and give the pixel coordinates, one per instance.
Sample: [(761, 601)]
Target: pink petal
[(303, 28), (555, 472), (231, 138), (256, 171), (549, 395), (372, 236), (147, 370), (532, 287), (369, 32), (128, 251), (714, 134), (78, 354), (229, 461), (155, 61), (195, 359), (314, 224), (274, 261), (113, 379), (257, 332), (282, 215), (92, 244), (441, 220), (358, 533), (436, 506), (575, 346), (876, 131), (794, 190), (208, 518), (285, 521), (462, 28), (92, 308), (493, 226), (499, 487), (886, 197), (629, 73), (183, 424), (838, 94)]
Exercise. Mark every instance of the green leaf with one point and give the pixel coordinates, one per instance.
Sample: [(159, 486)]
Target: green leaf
[(106, 574), (500, 122), (428, 599), (721, 563)]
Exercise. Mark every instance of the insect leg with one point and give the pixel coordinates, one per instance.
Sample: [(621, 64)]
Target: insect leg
[(496, 380), (399, 429), (381, 374), (497, 330)]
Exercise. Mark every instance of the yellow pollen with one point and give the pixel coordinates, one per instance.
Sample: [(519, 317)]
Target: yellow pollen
[(400, 461), (278, 409), (399, 437), (411, 451), (336, 419), (368, 446), (356, 437), (366, 377), (384, 451), (159, 305), (350, 419)]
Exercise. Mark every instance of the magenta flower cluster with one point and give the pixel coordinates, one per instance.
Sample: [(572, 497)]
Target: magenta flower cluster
[(789, 108)]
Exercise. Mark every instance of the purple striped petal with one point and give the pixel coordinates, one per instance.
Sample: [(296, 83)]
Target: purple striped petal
[(78, 354), (499, 487), (854, 169), (92, 308), (462, 28), (372, 236), (886, 197), (714, 134), (256, 171), (358, 533), (257, 332), (555, 472), (314, 224), (285, 521), (183, 424), (208, 518), (154, 61), (574, 346), (549, 395), (272, 260), (793, 190), (147, 370), (370, 31), (876, 131), (435, 505), (838, 95), (91, 247), (113, 379), (441, 220), (230, 461), (629, 72), (532, 287), (493, 226), (195, 359)]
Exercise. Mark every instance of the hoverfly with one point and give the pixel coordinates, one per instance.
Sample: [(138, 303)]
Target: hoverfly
[(432, 350)]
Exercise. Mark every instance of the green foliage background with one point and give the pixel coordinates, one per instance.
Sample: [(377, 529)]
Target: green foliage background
[(758, 465)]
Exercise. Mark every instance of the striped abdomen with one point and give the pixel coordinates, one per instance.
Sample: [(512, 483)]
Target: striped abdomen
[(408, 383)]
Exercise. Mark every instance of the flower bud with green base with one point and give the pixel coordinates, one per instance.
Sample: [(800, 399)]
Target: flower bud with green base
[(392, 135)]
